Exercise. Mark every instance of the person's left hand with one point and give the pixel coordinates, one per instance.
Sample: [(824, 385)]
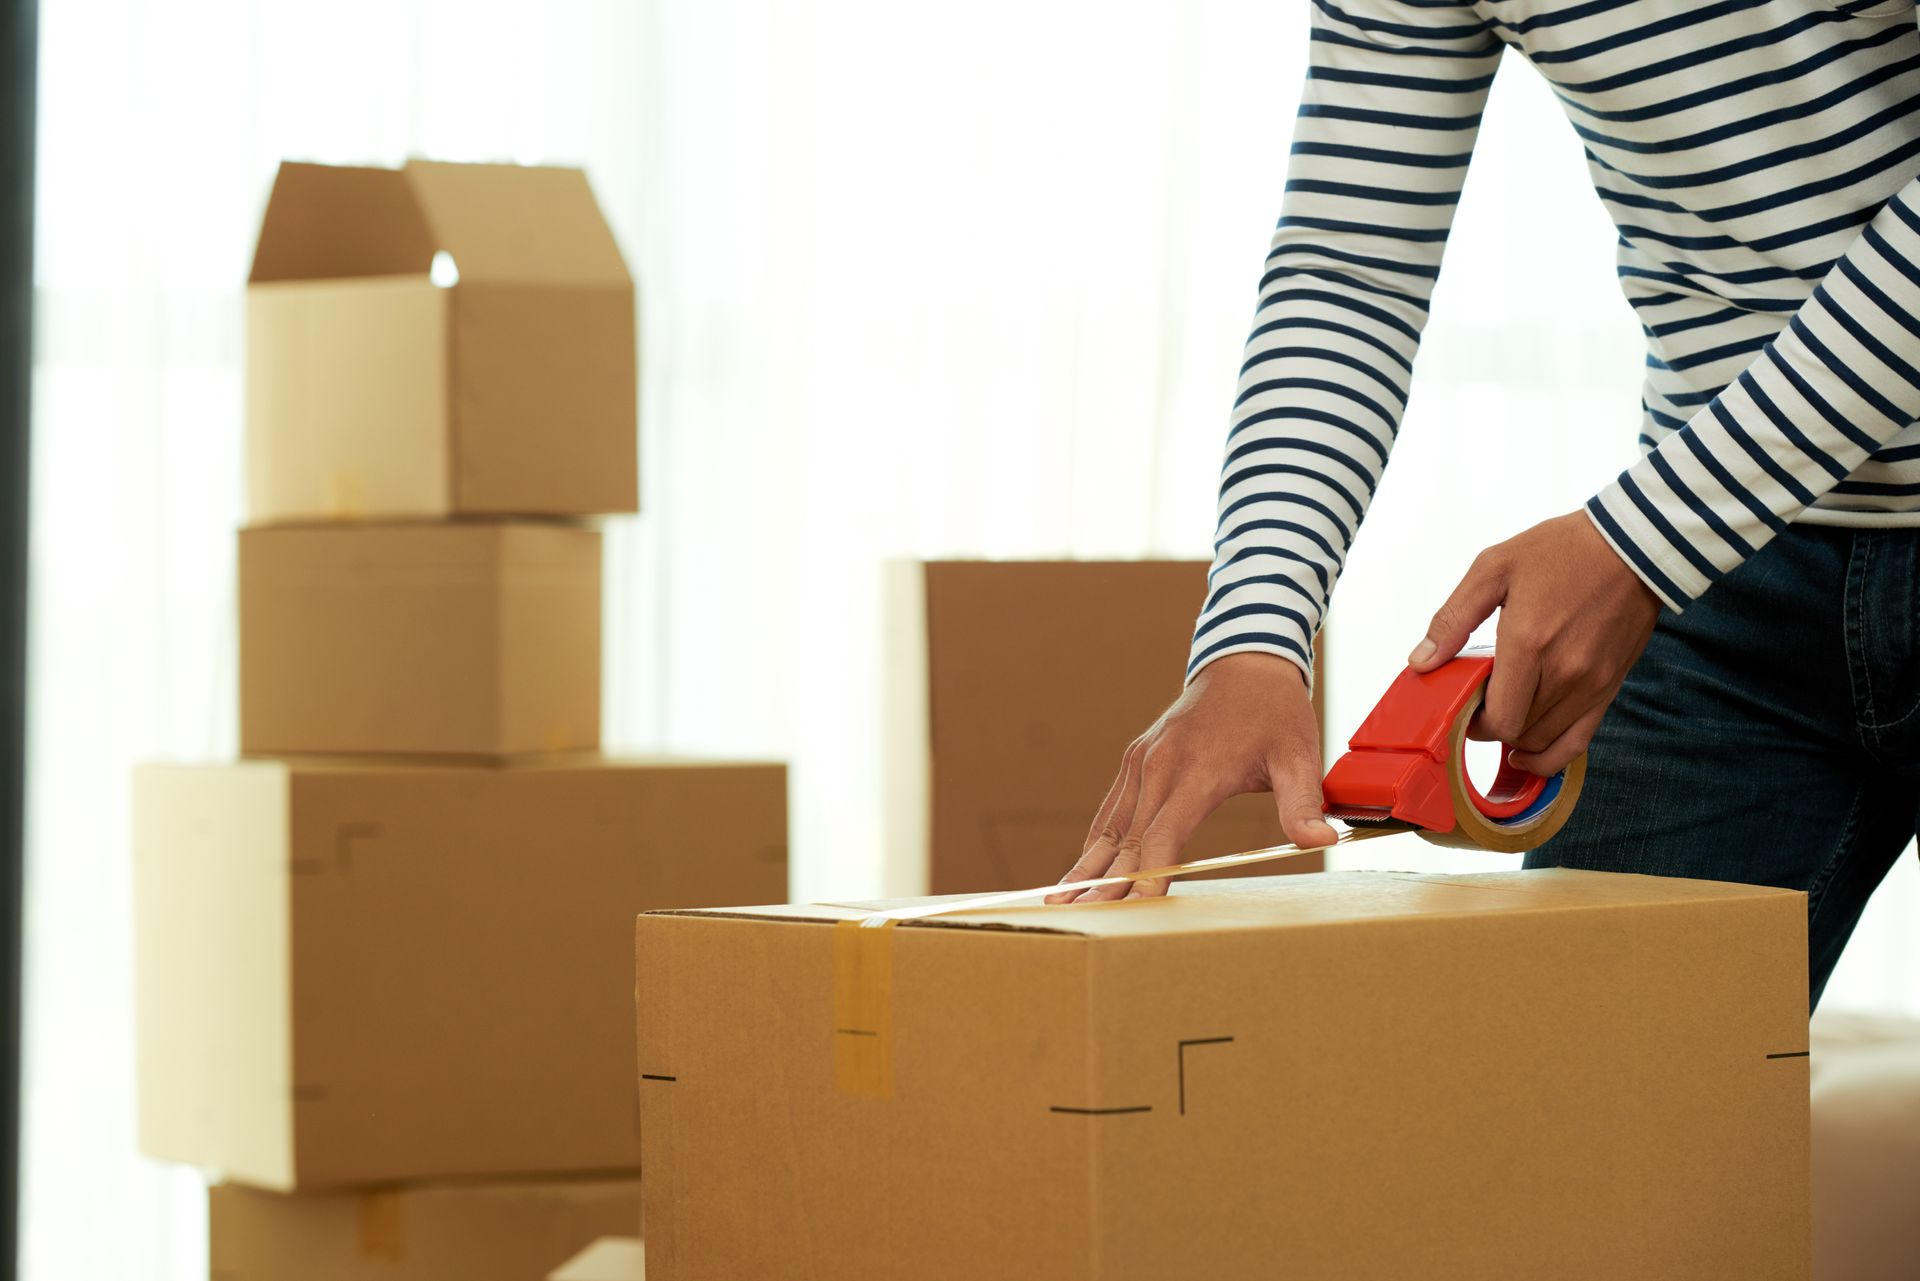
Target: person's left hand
[(1573, 620)]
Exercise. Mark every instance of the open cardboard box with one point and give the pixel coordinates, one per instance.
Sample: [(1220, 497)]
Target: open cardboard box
[(438, 340), (512, 1231), (1016, 687), (1354, 1076)]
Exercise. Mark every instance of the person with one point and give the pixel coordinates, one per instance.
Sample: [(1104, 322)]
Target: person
[(1731, 628)]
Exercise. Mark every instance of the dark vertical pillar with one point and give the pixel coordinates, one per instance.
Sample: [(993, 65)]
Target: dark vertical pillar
[(18, 59)]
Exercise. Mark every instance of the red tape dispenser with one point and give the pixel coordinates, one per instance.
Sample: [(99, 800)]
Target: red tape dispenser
[(1405, 768)]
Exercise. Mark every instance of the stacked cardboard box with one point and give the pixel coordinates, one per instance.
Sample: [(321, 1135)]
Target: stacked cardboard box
[(383, 985), (1015, 687)]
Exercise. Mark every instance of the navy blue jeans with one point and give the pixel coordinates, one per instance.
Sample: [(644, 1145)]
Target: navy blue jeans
[(1770, 734)]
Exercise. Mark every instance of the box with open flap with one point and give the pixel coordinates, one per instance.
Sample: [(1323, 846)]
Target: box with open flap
[(1351, 1076), (438, 339)]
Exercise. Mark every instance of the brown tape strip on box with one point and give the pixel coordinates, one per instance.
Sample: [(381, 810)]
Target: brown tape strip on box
[(344, 494), (383, 1226), (863, 1010)]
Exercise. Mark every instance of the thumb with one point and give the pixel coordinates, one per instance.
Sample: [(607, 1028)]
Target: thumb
[(1296, 795), (1477, 596)]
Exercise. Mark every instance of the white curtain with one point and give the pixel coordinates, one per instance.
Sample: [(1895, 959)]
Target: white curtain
[(916, 281)]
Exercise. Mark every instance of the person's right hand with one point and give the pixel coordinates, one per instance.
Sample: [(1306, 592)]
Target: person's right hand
[(1244, 724)]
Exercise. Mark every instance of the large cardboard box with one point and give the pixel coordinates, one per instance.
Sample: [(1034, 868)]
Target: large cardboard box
[(431, 1232), (1018, 685), (608, 1259), (1354, 1076), (438, 340), (358, 973), (478, 639)]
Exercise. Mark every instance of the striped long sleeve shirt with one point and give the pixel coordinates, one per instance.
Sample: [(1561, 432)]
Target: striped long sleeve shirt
[(1759, 160)]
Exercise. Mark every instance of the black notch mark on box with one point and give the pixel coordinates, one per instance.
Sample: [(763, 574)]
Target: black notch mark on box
[(1200, 1040), (343, 838), (1100, 1111), (655, 1076), (1791, 1054), (854, 1031)]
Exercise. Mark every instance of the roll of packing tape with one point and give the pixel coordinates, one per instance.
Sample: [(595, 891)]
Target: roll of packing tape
[(1519, 812)]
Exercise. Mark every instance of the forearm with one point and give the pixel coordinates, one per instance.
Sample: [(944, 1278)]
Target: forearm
[(1386, 127), (1838, 382)]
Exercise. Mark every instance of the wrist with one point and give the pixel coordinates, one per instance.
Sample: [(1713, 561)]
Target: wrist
[(1252, 665), (1622, 566)]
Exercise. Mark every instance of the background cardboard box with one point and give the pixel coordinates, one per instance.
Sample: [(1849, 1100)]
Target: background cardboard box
[(361, 973), (608, 1259), (499, 379), (1017, 687), (451, 1232), (1356, 1076), (476, 639)]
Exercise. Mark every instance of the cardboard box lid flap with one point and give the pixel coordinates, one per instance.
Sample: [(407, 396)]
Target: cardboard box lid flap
[(518, 223), (329, 221), (1286, 902)]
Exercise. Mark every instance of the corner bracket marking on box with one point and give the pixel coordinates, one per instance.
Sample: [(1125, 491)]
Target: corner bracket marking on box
[(344, 837), (1199, 1040), (863, 1009)]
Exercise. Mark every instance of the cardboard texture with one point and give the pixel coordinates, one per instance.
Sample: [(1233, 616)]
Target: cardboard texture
[(377, 387), (358, 973), (478, 639), (1037, 674), (448, 1232), (608, 1259), (1355, 1076)]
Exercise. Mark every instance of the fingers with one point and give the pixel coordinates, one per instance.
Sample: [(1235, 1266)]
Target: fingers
[(1129, 773), (1563, 749), (1110, 823), (1294, 776), (1156, 787), (1547, 726), (1477, 596), (1166, 836), (1508, 707)]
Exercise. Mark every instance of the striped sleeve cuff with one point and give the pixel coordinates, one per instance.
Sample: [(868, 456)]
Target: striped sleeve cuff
[(1254, 617), (1840, 380), (1646, 557)]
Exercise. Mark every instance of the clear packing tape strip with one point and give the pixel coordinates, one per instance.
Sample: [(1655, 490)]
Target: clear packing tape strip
[(863, 959)]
